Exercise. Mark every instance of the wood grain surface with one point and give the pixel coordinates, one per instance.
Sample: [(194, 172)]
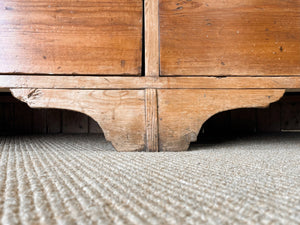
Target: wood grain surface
[(120, 113), (233, 37), (182, 112), (151, 37), (114, 82), (151, 120), (71, 37)]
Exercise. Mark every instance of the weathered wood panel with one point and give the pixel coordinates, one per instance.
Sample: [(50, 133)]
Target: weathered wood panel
[(268, 120), (39, 121), (7, 118), (182, 112), (234, 37), (54, 121), (243, 121), (74, 122), (23, 119), (71, 37), (290, 114), (120, 113)]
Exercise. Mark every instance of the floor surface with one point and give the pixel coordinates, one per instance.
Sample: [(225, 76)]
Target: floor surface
[(81, 179)]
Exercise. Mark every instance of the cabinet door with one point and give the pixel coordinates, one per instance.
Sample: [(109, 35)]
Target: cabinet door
[(231, 37), (71, 37)]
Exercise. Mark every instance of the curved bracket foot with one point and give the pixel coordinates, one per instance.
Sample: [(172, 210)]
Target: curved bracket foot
[(131, 119), (120, 113), (182, 112)]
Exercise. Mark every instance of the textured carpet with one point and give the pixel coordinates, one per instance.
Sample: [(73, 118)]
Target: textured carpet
[(83, 180)]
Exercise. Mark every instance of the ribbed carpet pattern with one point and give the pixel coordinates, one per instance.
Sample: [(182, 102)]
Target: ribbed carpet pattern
[(81, 179)]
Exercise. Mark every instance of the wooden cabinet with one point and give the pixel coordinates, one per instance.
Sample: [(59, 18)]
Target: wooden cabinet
[(194, 59)]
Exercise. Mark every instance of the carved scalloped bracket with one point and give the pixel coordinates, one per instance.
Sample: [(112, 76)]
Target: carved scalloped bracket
[(120, 113), (131, 123), (182, 112)]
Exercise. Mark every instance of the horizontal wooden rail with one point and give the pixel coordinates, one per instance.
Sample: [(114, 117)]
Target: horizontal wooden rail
[(109, 82)]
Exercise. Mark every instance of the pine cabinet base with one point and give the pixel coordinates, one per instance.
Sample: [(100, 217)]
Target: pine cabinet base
[(149, 72), (159, 114)]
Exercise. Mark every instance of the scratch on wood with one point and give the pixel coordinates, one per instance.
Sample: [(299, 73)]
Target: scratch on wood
[(27, 95), (34, 93), (8, 8)]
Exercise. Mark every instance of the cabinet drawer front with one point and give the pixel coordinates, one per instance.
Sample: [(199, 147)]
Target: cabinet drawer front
[(232, 37), (71, 37)]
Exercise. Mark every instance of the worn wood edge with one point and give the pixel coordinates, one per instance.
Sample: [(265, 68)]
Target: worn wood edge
[(151, 120), (248, 101), (151, 30), (94, 83), (32, 97)]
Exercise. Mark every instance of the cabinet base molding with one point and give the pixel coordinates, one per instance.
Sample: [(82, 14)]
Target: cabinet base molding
[(149, 119)]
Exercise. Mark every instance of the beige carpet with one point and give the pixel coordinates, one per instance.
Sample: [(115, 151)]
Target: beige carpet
[(82, 180)]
